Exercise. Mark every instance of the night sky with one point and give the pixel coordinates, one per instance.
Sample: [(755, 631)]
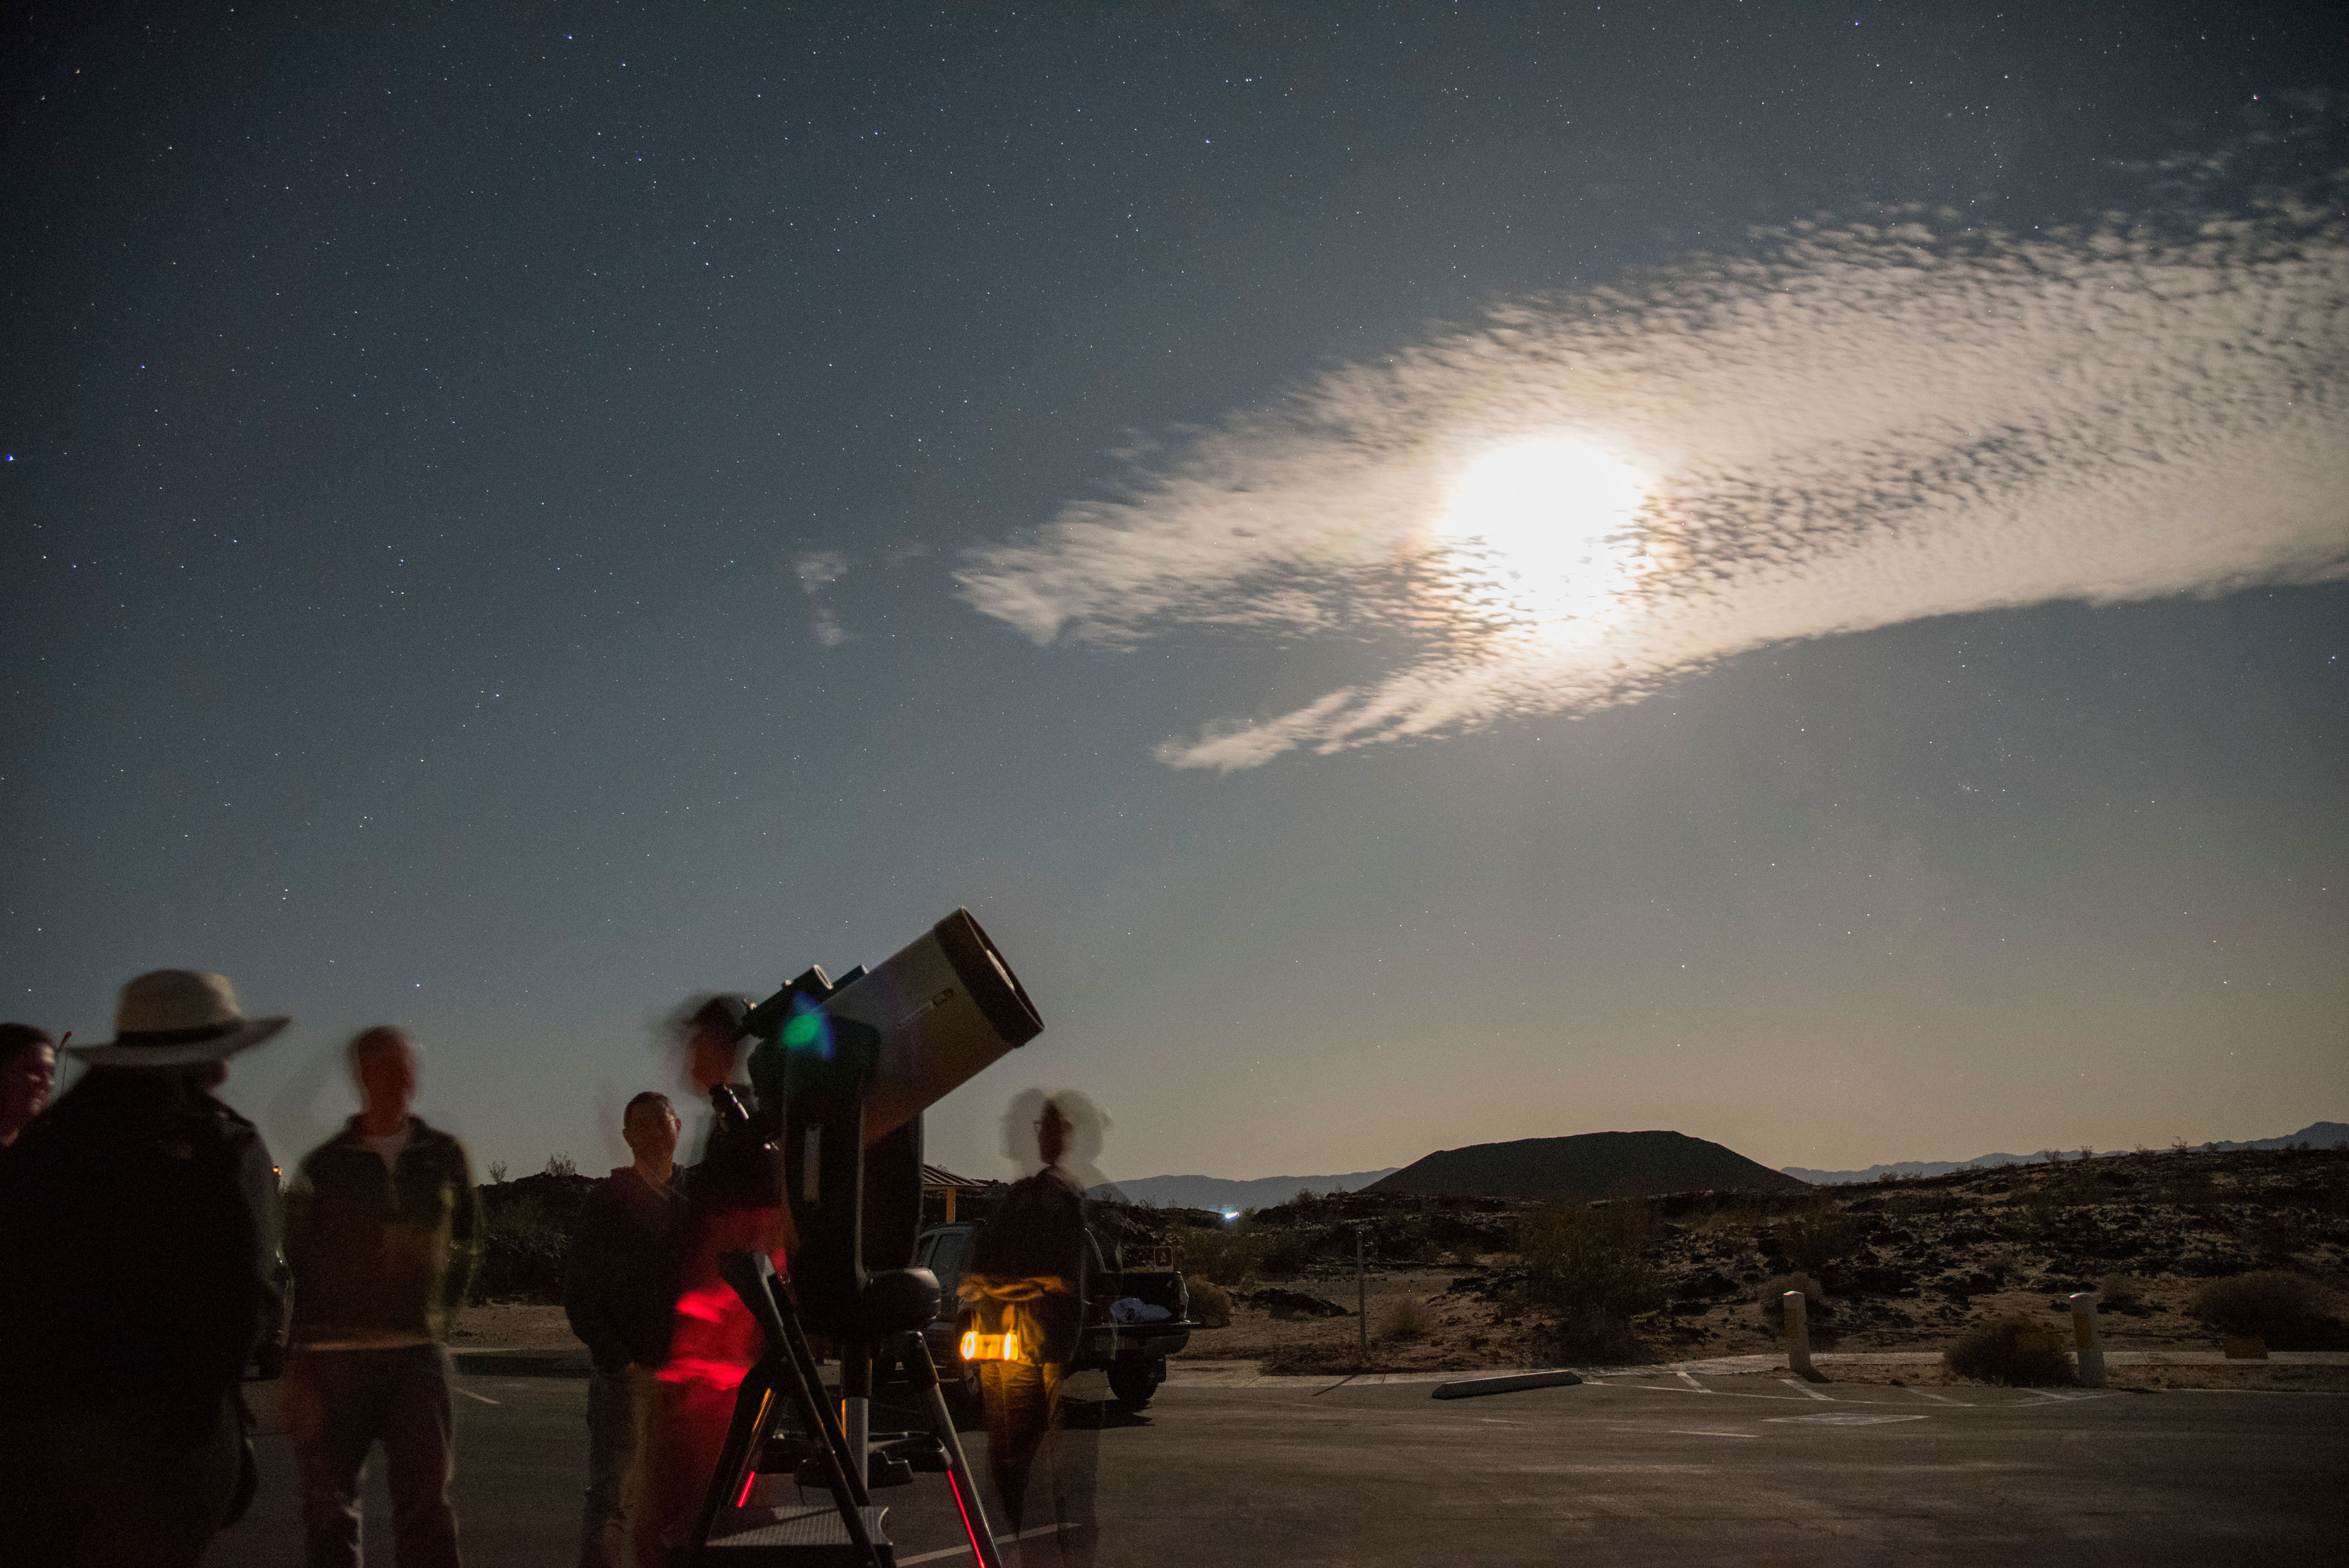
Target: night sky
[(515, 515)]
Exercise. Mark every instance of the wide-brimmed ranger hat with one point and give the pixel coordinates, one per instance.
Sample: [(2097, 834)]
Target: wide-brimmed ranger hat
[(177, 1018)]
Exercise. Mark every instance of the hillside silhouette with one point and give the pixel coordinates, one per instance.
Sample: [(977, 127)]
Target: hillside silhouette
[(1587, 1165)]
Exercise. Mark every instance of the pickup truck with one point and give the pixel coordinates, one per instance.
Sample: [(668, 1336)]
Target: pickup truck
[(1134, 1353)]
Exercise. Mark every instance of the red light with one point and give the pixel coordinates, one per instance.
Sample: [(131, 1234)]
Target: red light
[(967, 1529), (748, 1481)]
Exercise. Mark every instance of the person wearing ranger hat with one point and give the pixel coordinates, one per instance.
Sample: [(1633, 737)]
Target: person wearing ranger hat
[(138, 1269)]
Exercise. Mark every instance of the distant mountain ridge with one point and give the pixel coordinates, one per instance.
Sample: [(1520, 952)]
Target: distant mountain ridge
[(1586, 1164), (2320, 1135), (1217, 1192)]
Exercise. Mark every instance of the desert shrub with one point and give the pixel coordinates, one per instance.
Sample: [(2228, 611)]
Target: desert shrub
[(1404, 1238), (1211, 1305), (1769, 1299), (2013, 1350), (1817, 1234), (2121, 1293), (523, 1247), (1594, 1340), (2271, 1305), (1741, 1216), (1585, 1258), (2033, 1213), (560, 1165), (1282, 1254), (1226, 1255), (1406, 1318)]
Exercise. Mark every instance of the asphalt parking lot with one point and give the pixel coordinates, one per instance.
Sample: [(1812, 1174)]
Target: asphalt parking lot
[(1652, 1468)]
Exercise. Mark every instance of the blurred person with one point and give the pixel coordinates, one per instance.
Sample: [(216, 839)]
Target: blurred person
[(28, 1075), (620, 1292), (1027, 1274), (382, 1230), (138, 1269), (734, 1202)]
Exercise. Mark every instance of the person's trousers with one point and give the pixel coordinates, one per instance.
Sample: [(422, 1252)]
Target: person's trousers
[(337, 1404), (611, 1442), (101, 1486), (1023, 1403), (681, 1428)]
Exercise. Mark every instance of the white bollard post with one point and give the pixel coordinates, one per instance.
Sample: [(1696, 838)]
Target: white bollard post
[(1798, 1331), (2088, 1339)]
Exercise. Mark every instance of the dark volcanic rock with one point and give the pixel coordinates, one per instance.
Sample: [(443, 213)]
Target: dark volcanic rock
[(1590, 1165)]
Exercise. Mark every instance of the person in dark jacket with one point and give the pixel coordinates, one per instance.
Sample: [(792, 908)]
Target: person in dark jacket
[(382, 1228), (619, 1291), (1027, 1273), (138, 1267)]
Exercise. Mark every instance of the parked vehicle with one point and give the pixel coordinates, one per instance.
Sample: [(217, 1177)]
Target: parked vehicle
[(1136, 1313)]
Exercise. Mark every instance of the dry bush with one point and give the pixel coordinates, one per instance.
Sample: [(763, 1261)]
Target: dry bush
[(1817, 1234), (2121, 1293), (2271, 1305), (1769, 1300), (1211, 1305), (1590, 1257), (1406, 1318), (524, 1244), (2013, 1350), (1595, 1339), (1281, 1254), (1743, 1216), (1226, 1255)]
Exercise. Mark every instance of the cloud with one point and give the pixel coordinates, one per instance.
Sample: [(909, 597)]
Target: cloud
[(818, 570), (1837, 428)]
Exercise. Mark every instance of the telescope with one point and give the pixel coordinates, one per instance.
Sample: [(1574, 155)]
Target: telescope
[(942, 1007), (843, 1071)]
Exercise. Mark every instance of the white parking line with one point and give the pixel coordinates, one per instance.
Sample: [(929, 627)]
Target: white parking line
[(1693, 1383), (1799, 1387), (965, 1548), (1937, 1398), (469, 1393), (1690, 1432)]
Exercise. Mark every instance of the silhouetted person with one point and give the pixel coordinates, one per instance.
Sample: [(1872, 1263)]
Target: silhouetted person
[(138, 1266), (619, 1291), (1026, 1276), (29, 1074), (382, 1230), (734, 1202)]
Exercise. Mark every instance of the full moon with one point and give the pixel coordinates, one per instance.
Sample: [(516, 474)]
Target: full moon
[(1550, 519)]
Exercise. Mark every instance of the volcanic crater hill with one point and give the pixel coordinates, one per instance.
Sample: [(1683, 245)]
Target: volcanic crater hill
[(1588, 1166)]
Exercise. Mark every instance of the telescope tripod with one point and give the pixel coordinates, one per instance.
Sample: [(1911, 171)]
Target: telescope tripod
[(785, 1381)]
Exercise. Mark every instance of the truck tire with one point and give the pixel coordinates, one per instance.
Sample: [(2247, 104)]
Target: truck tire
[(1133, 1382)]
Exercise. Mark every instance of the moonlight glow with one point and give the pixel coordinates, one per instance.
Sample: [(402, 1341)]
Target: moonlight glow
[(1547, 524)]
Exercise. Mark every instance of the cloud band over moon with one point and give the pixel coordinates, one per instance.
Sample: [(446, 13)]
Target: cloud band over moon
[(1838, 427)]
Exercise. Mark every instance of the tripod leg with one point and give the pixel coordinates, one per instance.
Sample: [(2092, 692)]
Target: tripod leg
[(856, 1405), (848, 1494), (923, 1374), (754, 1405), (821, 1415)]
